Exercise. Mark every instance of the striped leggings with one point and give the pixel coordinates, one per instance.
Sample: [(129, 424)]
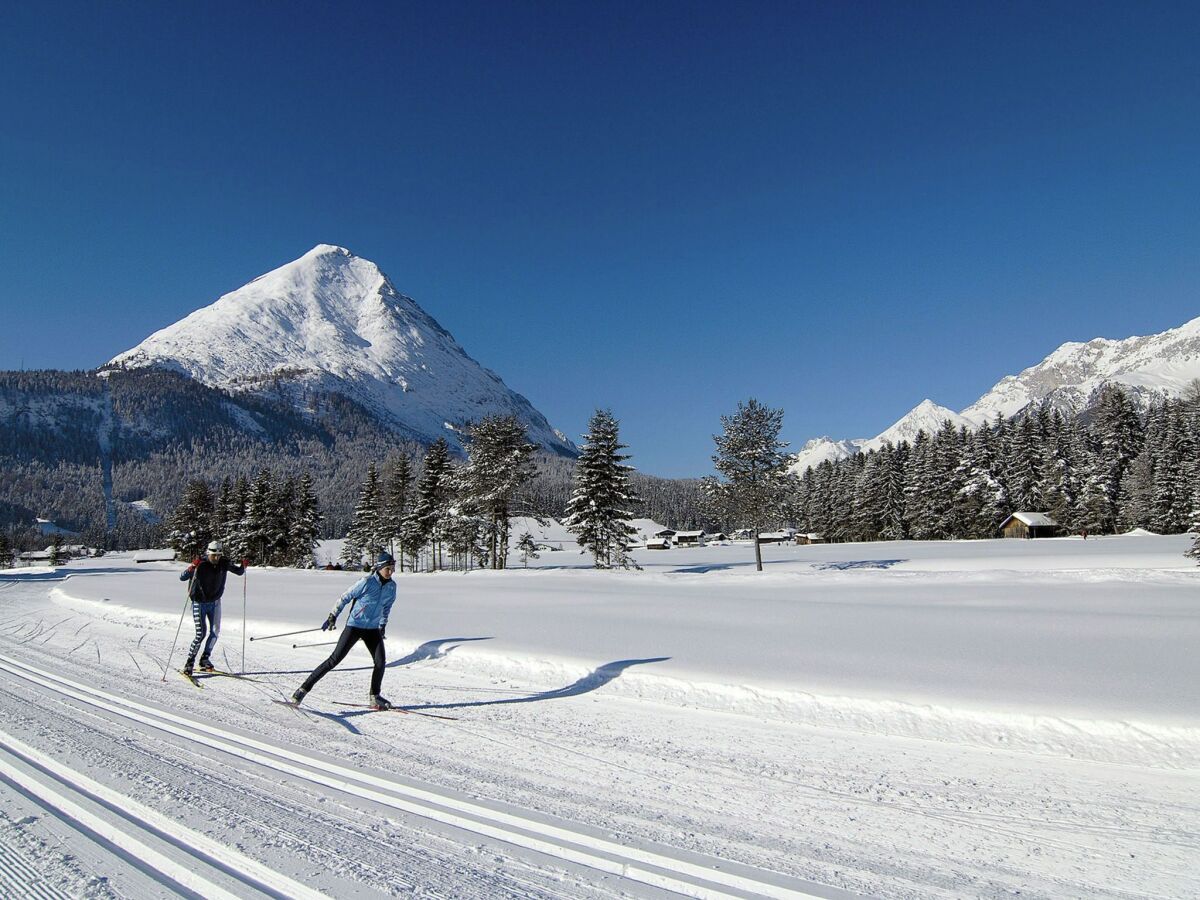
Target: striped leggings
[(207, 616)]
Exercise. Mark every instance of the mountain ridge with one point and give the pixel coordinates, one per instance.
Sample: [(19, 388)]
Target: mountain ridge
[(1069, 379), (330, 322)]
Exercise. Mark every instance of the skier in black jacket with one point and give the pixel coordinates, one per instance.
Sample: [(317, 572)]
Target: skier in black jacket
[(207, 585)]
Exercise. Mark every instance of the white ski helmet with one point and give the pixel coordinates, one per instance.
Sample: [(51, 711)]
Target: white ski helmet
[(215, 547)]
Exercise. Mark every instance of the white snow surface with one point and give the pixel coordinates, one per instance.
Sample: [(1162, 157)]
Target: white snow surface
[(332, 322), (1153, 366), (909, 719)]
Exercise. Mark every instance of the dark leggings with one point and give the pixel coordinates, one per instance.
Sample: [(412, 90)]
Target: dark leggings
[(351, 636)]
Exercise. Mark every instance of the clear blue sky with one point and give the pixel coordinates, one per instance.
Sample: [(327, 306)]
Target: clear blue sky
[(663, 208)]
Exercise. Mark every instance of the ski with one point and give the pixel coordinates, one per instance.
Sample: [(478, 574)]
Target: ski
[(219, 674), (289, 703), (191, 678), (396, 709)]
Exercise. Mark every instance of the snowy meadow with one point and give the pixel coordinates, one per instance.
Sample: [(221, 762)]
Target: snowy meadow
[(900, 719)]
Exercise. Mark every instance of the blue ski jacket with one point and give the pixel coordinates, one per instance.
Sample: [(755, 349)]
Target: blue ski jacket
[(372, 598)]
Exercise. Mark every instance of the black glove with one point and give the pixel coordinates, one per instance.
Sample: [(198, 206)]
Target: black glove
[(382, 629), (331, 622)]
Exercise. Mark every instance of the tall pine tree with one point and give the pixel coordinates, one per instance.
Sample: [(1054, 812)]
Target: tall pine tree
[(751, 460), (598, 512)]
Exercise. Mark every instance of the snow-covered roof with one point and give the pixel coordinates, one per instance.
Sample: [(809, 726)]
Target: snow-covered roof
[(1035, 519), (688, 534)]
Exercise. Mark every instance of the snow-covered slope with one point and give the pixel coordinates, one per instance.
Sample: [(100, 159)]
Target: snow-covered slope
[(818, 450), (926, 415), (1157, 365), (332, 323)]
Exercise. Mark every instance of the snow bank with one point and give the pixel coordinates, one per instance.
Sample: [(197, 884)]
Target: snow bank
[(1069, 648)]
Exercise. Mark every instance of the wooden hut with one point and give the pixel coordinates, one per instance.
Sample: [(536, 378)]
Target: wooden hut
[(1029, 525)]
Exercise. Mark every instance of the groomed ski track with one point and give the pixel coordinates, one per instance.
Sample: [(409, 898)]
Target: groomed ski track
[(197, 864)]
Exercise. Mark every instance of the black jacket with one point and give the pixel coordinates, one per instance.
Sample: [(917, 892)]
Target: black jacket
[(208, 580)]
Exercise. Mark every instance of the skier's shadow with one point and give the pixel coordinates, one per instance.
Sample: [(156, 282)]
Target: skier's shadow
[(433, 650), (337, 717), (597, 678), (429, 650)]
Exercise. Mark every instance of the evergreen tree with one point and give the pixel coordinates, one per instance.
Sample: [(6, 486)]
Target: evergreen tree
[(56, 550), (399, 486), (6, 552), (527, 548), (598, 511), (891, 514), (305, 524), (189, 527), (1171, 504), (1118, 439), (233, 515), (365, 537), (283, 509), (435, 491), (750, 457), (919, 510), (499, 464), (258, 523)]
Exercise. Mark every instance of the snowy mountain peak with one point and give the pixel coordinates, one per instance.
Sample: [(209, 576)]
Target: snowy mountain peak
[(1069, 379), (926, 416), (331, 322), (1153, 365)]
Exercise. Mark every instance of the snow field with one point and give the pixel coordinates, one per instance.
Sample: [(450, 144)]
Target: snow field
[(653, 707), (1061, 647)]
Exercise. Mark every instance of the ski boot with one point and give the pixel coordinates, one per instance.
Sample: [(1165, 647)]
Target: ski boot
[(207, 666), (379, 702), (189, 666), (298, 697)]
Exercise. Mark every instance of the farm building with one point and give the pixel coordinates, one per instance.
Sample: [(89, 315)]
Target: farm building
[(774, 537), (689, 539), (1029, 525), (658, 543)]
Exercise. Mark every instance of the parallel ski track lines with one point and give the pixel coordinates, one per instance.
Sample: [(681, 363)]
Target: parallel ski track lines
[(681, 871), (19, 879), (177, 854)]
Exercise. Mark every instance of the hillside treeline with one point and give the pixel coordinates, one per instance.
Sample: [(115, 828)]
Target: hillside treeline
[(1110, 470)]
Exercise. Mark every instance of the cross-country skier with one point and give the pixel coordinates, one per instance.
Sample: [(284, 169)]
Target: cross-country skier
[(208, 584), (370, 600)]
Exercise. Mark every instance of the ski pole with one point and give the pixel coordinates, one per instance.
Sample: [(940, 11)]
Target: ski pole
[(267, 637), (186, 600), (245, 578), (322, 644)]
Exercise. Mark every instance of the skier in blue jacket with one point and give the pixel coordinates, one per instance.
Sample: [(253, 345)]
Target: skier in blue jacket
[(370, 601)]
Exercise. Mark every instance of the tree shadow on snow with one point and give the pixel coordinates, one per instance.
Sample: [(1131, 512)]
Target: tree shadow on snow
[(859, 564), (597, 678)]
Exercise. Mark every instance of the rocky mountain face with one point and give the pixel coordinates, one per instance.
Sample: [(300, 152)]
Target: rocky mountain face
[(1157, 365), (331, 324), (1069, 379)]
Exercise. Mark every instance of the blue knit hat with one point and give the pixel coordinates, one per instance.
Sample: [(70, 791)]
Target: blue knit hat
[(384, 559)]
